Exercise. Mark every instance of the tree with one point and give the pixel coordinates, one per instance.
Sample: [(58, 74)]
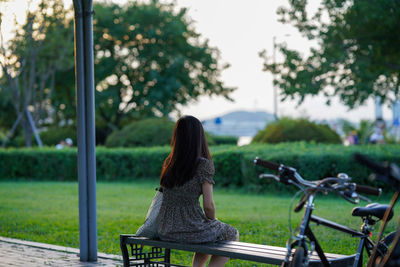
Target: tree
[(358, 53), (29, 62), (150, 61)]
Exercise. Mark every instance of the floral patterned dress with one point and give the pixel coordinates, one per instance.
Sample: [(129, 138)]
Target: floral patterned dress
[(181, 218)]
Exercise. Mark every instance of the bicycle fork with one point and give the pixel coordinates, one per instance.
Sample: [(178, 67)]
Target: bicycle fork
[(305, 234)]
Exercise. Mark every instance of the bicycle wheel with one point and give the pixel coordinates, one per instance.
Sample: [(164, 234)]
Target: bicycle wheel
[(383, 248), (298, 258), (394, 258)]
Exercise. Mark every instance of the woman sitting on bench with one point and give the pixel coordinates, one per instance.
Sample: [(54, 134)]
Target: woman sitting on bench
[(186, 174)]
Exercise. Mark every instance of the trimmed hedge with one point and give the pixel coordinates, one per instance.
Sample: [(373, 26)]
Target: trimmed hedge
[(61, 165), (234, 165), (225, 139)]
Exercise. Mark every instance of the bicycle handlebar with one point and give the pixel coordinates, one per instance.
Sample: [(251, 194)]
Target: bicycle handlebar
[(289, 175), (267, 164), (368, 190)]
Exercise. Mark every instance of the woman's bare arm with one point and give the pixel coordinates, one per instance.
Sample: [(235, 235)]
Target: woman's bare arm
[(208, 201)]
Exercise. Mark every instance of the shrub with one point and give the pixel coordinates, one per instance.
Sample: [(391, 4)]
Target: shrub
[(147, 132), (225, 140), (210, 139), (292, 130), (52, 136), (233, 165)]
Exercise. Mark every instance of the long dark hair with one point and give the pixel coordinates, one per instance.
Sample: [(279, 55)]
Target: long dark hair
[(188, 145)]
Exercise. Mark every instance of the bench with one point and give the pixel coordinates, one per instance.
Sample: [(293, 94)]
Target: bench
[(159, 253)]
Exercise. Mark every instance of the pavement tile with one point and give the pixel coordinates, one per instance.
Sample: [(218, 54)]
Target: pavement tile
[(21, 254)]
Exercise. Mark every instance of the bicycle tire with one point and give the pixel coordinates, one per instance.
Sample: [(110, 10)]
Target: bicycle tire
[(298, 258), (394, 258), (383, 247)]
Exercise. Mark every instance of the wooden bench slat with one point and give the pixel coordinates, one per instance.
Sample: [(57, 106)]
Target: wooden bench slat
[(269, 251), (239, 250), (277, 250), (212, 248)]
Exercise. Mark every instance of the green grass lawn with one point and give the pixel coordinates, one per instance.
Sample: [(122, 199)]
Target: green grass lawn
[(48, 212)]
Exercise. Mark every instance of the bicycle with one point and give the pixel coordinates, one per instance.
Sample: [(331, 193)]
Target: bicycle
[(389, 173), (305, 242)]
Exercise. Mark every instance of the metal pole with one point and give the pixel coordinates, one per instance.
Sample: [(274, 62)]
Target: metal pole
[(273, 77), (81, 131), (90, 127), (85, 135)]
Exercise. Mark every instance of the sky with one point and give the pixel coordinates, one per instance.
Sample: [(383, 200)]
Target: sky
[(240, 29)]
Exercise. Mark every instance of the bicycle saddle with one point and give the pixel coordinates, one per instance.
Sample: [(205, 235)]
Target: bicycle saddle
[(373, 209)]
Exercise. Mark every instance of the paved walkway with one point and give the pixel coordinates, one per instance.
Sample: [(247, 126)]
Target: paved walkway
[(15, 252)]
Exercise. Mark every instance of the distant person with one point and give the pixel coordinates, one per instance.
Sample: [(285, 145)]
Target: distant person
[(352, 138), (377, 136), (60, 144), (64, 143), (68, 142), (188, 173)]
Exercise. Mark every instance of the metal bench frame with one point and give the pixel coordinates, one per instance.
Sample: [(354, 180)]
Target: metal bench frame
[(160, 254)]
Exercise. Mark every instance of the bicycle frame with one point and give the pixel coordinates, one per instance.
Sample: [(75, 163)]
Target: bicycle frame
[(340, 184), (388, 173), (305, 231), (391, 252)]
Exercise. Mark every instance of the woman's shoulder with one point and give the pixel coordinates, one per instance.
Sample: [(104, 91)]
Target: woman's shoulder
[(205, 162), (205, 166)]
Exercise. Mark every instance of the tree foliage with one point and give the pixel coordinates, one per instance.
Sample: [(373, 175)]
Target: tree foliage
[(29, 61), (150, 61), (357, 55)]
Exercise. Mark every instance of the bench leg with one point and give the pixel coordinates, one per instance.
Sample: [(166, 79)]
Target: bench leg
[(155, 258), (167, 256), (124, 250)]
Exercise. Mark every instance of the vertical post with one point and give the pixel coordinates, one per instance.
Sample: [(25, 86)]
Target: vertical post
[(273, 78), (90, 128), (378, 108), (396, 119), (85, 128), (81, 132)]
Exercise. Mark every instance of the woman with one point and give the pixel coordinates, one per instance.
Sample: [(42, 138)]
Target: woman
[(186, 174)]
